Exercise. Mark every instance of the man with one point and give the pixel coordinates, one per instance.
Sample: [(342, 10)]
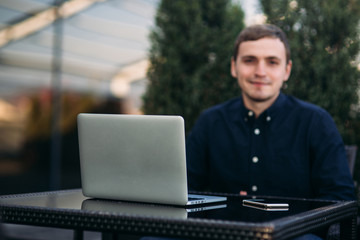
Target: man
[(265, 142)]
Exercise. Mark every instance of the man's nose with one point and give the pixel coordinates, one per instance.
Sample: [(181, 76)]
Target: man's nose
[(260, 69)]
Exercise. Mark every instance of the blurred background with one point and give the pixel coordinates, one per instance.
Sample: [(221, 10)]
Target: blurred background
[(57, 59), (62, 57)]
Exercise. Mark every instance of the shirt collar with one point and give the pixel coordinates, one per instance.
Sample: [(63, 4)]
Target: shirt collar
[(277, 105), (241, 112)]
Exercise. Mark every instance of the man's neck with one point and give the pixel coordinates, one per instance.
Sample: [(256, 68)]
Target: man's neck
[(258, 107)]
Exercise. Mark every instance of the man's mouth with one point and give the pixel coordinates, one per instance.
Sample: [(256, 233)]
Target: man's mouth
[(259, 83)]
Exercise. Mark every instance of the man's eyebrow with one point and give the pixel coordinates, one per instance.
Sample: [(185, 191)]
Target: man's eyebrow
[(273, 57), (252, 56), (248, 56)]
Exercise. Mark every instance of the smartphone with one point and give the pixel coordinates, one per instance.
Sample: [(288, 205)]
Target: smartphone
[(268, 205)]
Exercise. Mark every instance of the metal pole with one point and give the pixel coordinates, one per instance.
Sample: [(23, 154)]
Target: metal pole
[(55, 158)]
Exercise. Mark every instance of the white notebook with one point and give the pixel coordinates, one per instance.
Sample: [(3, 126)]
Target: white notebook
[(137, 158)]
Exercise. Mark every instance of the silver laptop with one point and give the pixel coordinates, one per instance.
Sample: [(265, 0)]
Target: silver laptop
[(135, 158)]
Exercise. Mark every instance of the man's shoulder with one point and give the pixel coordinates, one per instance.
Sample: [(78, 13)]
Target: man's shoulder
[(221, 112), (224, 107), (307, 112), (304, 106)]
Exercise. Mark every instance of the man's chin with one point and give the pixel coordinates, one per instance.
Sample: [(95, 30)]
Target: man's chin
[(260, 99)]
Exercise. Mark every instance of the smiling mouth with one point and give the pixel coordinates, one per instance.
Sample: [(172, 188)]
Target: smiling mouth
[(258, 83)]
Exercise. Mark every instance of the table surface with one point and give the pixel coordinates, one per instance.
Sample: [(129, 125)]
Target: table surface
[(227, 220)]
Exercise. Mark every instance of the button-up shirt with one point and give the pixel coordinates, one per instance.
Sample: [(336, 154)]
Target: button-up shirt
[(292, 149)]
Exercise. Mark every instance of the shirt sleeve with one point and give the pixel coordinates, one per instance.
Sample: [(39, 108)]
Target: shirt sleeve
[(330, 173), (196, 155)]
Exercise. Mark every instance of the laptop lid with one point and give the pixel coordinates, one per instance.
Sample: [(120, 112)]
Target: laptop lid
[(134, 158)]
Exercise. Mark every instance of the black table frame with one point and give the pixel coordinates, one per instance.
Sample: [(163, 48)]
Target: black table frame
[(344, 213)]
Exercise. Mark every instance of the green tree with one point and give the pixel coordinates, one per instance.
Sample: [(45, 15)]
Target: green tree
[(324, 40), (190, 57)]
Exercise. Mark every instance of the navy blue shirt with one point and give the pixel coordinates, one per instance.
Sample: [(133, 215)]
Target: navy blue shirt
[(292, 149)]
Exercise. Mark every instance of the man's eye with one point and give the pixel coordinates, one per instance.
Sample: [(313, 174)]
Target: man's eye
[(274, 62), (248, 60)]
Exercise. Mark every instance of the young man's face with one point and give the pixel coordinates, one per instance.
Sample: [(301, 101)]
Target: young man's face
[(261, 69)]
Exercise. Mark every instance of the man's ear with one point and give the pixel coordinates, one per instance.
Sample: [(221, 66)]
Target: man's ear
[(233, 68), (288, 70)]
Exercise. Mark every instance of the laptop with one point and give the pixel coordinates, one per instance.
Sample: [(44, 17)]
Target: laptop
[(138, 158)]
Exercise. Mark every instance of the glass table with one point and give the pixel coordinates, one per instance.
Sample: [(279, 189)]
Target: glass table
[(226, 220)]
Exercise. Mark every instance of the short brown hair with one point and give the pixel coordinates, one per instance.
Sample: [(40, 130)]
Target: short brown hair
[(256, 32)]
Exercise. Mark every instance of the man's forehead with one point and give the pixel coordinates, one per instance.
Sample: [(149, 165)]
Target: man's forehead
[(264, 47)]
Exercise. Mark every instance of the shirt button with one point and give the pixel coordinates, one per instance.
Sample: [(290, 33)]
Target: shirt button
[(251, 113), (268, 118), (254, 188), (257, 131), (255, 159)]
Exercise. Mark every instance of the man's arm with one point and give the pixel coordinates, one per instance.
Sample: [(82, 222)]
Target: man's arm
[(196, 156), (330, 172)]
